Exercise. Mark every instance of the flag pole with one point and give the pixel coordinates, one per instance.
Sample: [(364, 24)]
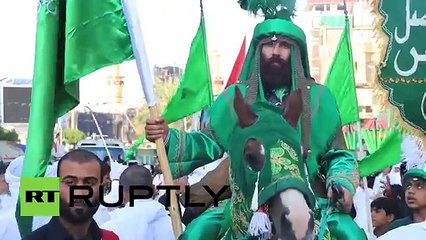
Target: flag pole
[(138, 45), (362, 154), (364, 179)]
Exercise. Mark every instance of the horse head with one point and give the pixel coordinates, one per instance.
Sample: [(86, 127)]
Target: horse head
[(266, 150)]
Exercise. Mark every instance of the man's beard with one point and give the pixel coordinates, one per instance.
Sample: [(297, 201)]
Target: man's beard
[(78, 215), (275, 72)]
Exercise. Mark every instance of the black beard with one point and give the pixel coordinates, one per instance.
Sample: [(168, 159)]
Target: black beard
[(275, 73), (78, 215)]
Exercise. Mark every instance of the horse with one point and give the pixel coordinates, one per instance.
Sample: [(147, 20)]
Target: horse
[(266, 155)]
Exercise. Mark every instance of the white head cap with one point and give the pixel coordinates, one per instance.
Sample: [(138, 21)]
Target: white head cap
[(14, 170)]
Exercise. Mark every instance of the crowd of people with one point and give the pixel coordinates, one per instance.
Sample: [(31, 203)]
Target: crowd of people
[(283, 133), (396, 200), (147, 219)]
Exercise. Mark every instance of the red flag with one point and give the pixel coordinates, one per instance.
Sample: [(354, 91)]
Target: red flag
[(238, 65)]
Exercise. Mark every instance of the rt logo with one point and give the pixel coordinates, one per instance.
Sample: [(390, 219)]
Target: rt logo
[(39, 196)]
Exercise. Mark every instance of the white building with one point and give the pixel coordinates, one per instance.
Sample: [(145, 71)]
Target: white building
[(15, 102)]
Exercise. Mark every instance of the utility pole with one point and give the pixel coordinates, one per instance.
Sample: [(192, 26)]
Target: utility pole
[(119, 83), (73, 119)]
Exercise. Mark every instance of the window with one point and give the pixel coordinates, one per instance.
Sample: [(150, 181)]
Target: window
[(320, 7), (102, 153), (368, 109), (371, 73), (341, 7), (334, 21)]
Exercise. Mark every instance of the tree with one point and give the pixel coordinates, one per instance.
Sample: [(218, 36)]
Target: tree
[(164, 89), (72, 136), (7, 135)]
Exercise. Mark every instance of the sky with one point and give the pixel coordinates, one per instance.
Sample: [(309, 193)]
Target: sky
[(168, 27)]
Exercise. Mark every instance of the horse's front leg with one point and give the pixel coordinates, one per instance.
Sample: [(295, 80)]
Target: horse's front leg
[(291, 216)]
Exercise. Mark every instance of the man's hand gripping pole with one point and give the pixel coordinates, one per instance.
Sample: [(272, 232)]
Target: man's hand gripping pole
[(168, 179)]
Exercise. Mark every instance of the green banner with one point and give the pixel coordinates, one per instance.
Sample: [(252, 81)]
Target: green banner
[(403, 72), (387, 155)]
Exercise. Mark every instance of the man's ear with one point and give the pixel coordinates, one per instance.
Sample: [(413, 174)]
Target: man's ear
[(104, 179), (390, 217)]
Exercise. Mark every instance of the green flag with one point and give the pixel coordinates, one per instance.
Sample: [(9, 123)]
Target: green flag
[(387, 155), (195, 89), (73, 39), (131, 153), (341, 79)]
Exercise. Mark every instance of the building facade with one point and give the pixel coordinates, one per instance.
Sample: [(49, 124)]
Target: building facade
[(327, 20), (15, 103)]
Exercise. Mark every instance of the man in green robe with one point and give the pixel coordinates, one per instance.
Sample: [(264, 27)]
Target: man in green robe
[(276, 64)]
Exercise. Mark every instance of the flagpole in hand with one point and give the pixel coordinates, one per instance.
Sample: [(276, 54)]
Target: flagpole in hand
[(130, 12), (362, 153)]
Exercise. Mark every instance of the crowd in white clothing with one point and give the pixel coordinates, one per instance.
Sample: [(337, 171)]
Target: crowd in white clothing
[(149, 219), (146, 214), (386, 205)]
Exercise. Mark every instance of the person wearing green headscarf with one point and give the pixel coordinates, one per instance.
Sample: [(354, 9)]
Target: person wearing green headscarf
[(276, 64)]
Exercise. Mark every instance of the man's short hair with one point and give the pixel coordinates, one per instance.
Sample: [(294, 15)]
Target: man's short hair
[(389, 205), (3, 167), (80, 156), (136, 175)]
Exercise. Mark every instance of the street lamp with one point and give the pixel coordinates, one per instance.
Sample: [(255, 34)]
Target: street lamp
[(122, 111)]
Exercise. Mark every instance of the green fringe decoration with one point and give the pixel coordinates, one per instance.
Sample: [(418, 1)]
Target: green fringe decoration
[(284, 9), (351, 140)]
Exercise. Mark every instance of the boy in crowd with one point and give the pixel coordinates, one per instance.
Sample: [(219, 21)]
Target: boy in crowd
[(383, 212)]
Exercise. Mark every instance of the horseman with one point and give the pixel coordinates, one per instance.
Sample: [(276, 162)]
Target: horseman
[(276, 66)]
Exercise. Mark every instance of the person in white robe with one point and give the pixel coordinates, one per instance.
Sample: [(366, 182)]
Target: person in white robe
[(147, 219), (116, 169), (103, 214), (359, 201), (395, 175), (414, 231), (58, 151), (8, 225), (12, 177), (389, 174)]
